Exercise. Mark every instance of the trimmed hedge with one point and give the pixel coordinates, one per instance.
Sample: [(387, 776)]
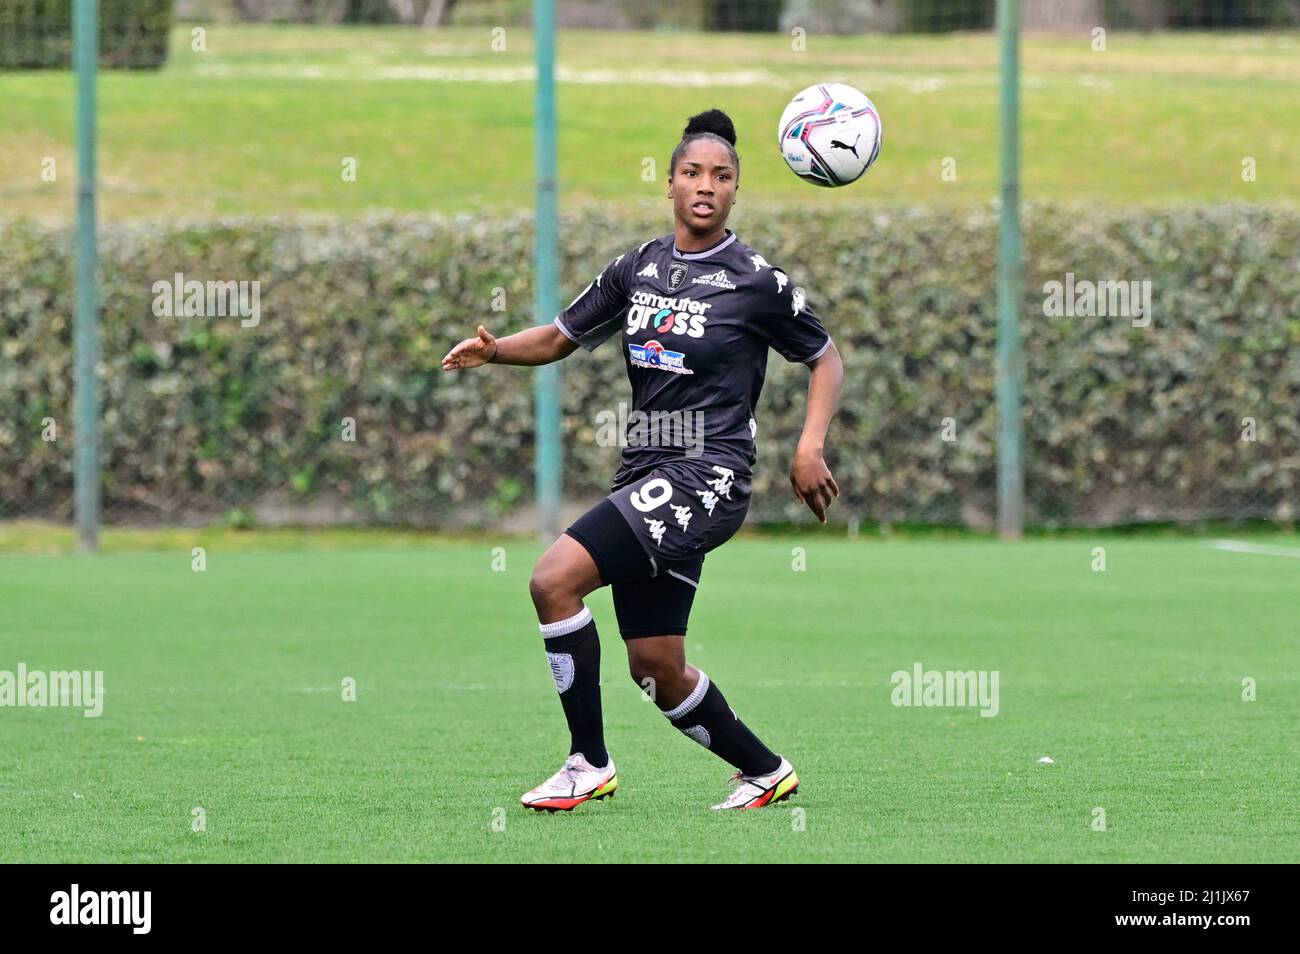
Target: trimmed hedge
[(947, 16), (201, 414), (37, 34)]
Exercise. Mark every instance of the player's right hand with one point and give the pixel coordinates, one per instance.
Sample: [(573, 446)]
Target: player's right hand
[(471, 352)]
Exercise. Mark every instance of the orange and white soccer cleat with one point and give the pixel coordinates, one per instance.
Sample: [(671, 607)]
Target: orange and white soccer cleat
[(755, 791), (579, 781)]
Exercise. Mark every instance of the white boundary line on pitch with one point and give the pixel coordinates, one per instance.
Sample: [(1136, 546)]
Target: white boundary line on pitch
[(1237, 546)]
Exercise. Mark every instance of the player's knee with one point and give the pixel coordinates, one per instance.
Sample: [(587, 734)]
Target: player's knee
[(548, 585), (657, 670), (641, 672)]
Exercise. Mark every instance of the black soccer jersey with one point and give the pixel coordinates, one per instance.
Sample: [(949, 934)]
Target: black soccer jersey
[(694, 329)]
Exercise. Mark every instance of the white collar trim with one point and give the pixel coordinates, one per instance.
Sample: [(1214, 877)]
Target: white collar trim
[(693, 256)]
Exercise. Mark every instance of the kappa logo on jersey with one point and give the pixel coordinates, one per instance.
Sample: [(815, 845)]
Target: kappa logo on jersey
[(654, 355), (718, 280), (581, 293), (650, 271), (676, 275), (613, 264), (681, 316), (796, 300), (759, 262), (780, 280)]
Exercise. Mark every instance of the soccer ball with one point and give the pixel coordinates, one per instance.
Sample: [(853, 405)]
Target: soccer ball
[(830, 134)]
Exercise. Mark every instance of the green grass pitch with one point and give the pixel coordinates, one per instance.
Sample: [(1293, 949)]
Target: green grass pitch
[(223, 693)]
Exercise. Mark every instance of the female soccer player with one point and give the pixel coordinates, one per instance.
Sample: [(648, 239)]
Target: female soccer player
[(695, 313)]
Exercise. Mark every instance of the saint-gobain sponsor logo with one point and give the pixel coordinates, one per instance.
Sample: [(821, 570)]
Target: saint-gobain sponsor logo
[(76, 906), (654, 355), (717, 279), (76, 689)]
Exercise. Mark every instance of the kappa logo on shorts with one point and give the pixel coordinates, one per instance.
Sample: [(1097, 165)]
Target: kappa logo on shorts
[(683, 514), (657, 528), (723, 483), (721, 488)]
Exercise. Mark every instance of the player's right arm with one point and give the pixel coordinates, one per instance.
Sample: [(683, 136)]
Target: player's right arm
[(532, 346), (592, 317)]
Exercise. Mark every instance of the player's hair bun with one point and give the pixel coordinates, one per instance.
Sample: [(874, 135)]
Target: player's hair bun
[(711, 121)]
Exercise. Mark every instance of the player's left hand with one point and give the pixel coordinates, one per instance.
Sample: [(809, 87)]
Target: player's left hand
[(812, 481)]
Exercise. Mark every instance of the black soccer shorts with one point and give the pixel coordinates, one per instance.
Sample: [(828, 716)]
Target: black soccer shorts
[(649, 599)]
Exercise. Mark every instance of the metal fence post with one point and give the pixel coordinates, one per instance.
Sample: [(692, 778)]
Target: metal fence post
[(1011, 474), (86, 479), (548, 449)]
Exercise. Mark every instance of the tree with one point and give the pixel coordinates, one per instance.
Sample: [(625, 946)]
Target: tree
[(438, 13)]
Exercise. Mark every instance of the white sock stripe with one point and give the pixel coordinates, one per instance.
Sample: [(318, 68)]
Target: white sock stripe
[(691, 701), (566, 626)]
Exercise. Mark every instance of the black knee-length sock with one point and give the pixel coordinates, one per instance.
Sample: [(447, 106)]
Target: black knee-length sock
[(573, 649), (705, 717)]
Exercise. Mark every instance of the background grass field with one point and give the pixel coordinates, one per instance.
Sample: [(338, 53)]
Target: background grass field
[(223, 692), (259, 122)]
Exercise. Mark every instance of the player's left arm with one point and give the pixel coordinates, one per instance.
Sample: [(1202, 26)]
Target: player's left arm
[(809, 475), (796, 332)]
